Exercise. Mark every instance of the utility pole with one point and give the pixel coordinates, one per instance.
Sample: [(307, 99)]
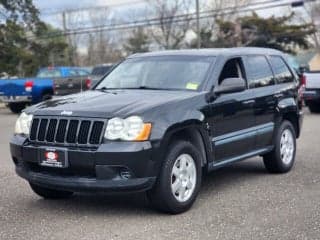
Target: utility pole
[(64, 21), (67, 37), (198, 25)]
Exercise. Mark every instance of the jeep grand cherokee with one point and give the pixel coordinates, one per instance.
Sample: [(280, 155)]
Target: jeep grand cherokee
[(158, 121)]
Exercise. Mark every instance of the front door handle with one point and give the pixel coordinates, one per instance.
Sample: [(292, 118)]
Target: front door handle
[(278, 95), (249, 102)]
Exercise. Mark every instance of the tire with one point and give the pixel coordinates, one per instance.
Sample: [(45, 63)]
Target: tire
[(279, 161), (17, 107), (314, 107), (50, 193), (162, 196)]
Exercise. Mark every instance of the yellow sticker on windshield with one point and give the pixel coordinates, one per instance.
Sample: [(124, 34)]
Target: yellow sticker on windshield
[(192, 86)]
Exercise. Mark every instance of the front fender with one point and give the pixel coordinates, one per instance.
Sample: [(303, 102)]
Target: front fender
[(175, 121)]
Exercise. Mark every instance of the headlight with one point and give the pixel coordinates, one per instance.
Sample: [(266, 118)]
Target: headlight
[(129, 129), (23, 124)]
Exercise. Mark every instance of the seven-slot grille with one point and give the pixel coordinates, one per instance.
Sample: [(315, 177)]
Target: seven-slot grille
[(69, 131)]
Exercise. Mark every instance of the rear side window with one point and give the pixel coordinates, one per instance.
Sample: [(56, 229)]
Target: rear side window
[(281, 70), (259, 73)]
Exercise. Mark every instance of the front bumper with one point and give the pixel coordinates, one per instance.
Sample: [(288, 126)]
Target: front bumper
[(15, 99), (113, 167)]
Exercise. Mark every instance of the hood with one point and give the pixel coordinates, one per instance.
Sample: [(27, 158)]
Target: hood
[(107, 104)]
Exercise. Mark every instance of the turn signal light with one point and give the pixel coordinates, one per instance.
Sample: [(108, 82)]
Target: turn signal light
[(145, 133)]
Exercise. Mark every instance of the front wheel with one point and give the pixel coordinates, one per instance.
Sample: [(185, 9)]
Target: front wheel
[(17, 107), (49, 193), (282, 158), (179, 182)]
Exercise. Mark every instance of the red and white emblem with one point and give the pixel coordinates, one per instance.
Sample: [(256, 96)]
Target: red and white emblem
[(52, 156)]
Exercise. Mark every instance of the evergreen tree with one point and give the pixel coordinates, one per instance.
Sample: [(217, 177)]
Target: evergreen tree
[(273, 32), (138, 42)]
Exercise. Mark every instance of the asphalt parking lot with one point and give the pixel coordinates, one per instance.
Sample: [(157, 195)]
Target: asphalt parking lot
[(238, 202)]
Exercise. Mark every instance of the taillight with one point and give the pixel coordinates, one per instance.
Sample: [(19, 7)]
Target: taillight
[(88, 83), (28, 86), (302, 87), (303, 80)]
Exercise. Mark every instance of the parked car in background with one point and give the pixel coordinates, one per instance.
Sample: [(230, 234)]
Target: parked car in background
[(311, 93), (158, 121), (20, 92), (99, 71), (83, 82), (298, 70), (79, 82)]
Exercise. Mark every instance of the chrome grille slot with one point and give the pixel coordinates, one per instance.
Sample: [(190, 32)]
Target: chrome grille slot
[(95, 132), (34, 129), (51, 130), (67, 131), (72, 131), (61, 132), (84, 132), (42, 129)]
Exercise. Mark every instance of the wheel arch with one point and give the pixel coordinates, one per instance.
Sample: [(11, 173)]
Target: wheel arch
[(289, 111), (192, 131), (294, 120)]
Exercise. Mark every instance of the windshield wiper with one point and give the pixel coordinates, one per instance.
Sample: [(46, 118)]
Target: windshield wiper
[(105, 89), (138, 87), (144, 87)]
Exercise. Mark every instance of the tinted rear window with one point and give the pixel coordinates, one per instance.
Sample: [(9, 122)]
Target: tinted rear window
[(259, 73), (281, 70)]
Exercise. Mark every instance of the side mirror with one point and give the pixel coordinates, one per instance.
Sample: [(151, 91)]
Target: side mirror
[(230, 85)]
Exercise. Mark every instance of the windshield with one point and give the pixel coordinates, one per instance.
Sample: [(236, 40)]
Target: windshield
[(49, 73), (170, 72)]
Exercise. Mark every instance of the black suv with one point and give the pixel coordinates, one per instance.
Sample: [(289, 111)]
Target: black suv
[(158, 121)]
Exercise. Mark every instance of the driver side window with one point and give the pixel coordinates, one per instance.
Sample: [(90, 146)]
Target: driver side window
[(232, 69)]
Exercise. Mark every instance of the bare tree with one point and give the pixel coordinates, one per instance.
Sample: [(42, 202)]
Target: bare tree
[(313, 11), (174, 22), (73, 20), (215, 12)]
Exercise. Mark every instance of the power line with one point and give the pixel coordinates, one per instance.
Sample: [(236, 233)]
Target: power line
[(172, 19)]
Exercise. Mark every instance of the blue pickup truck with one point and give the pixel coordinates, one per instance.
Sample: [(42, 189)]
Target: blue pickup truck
[(20, 92)]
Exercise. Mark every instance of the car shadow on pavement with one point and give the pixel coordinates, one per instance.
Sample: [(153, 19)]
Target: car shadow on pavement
[(233, 174), (137, 203)]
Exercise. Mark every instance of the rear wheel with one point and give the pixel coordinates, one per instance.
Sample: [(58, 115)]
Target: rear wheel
[(179, 182), (49, 193), (282, 158), (17, 107)]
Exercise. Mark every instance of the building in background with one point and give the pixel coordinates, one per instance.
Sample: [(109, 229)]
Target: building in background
[(310, 59)]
